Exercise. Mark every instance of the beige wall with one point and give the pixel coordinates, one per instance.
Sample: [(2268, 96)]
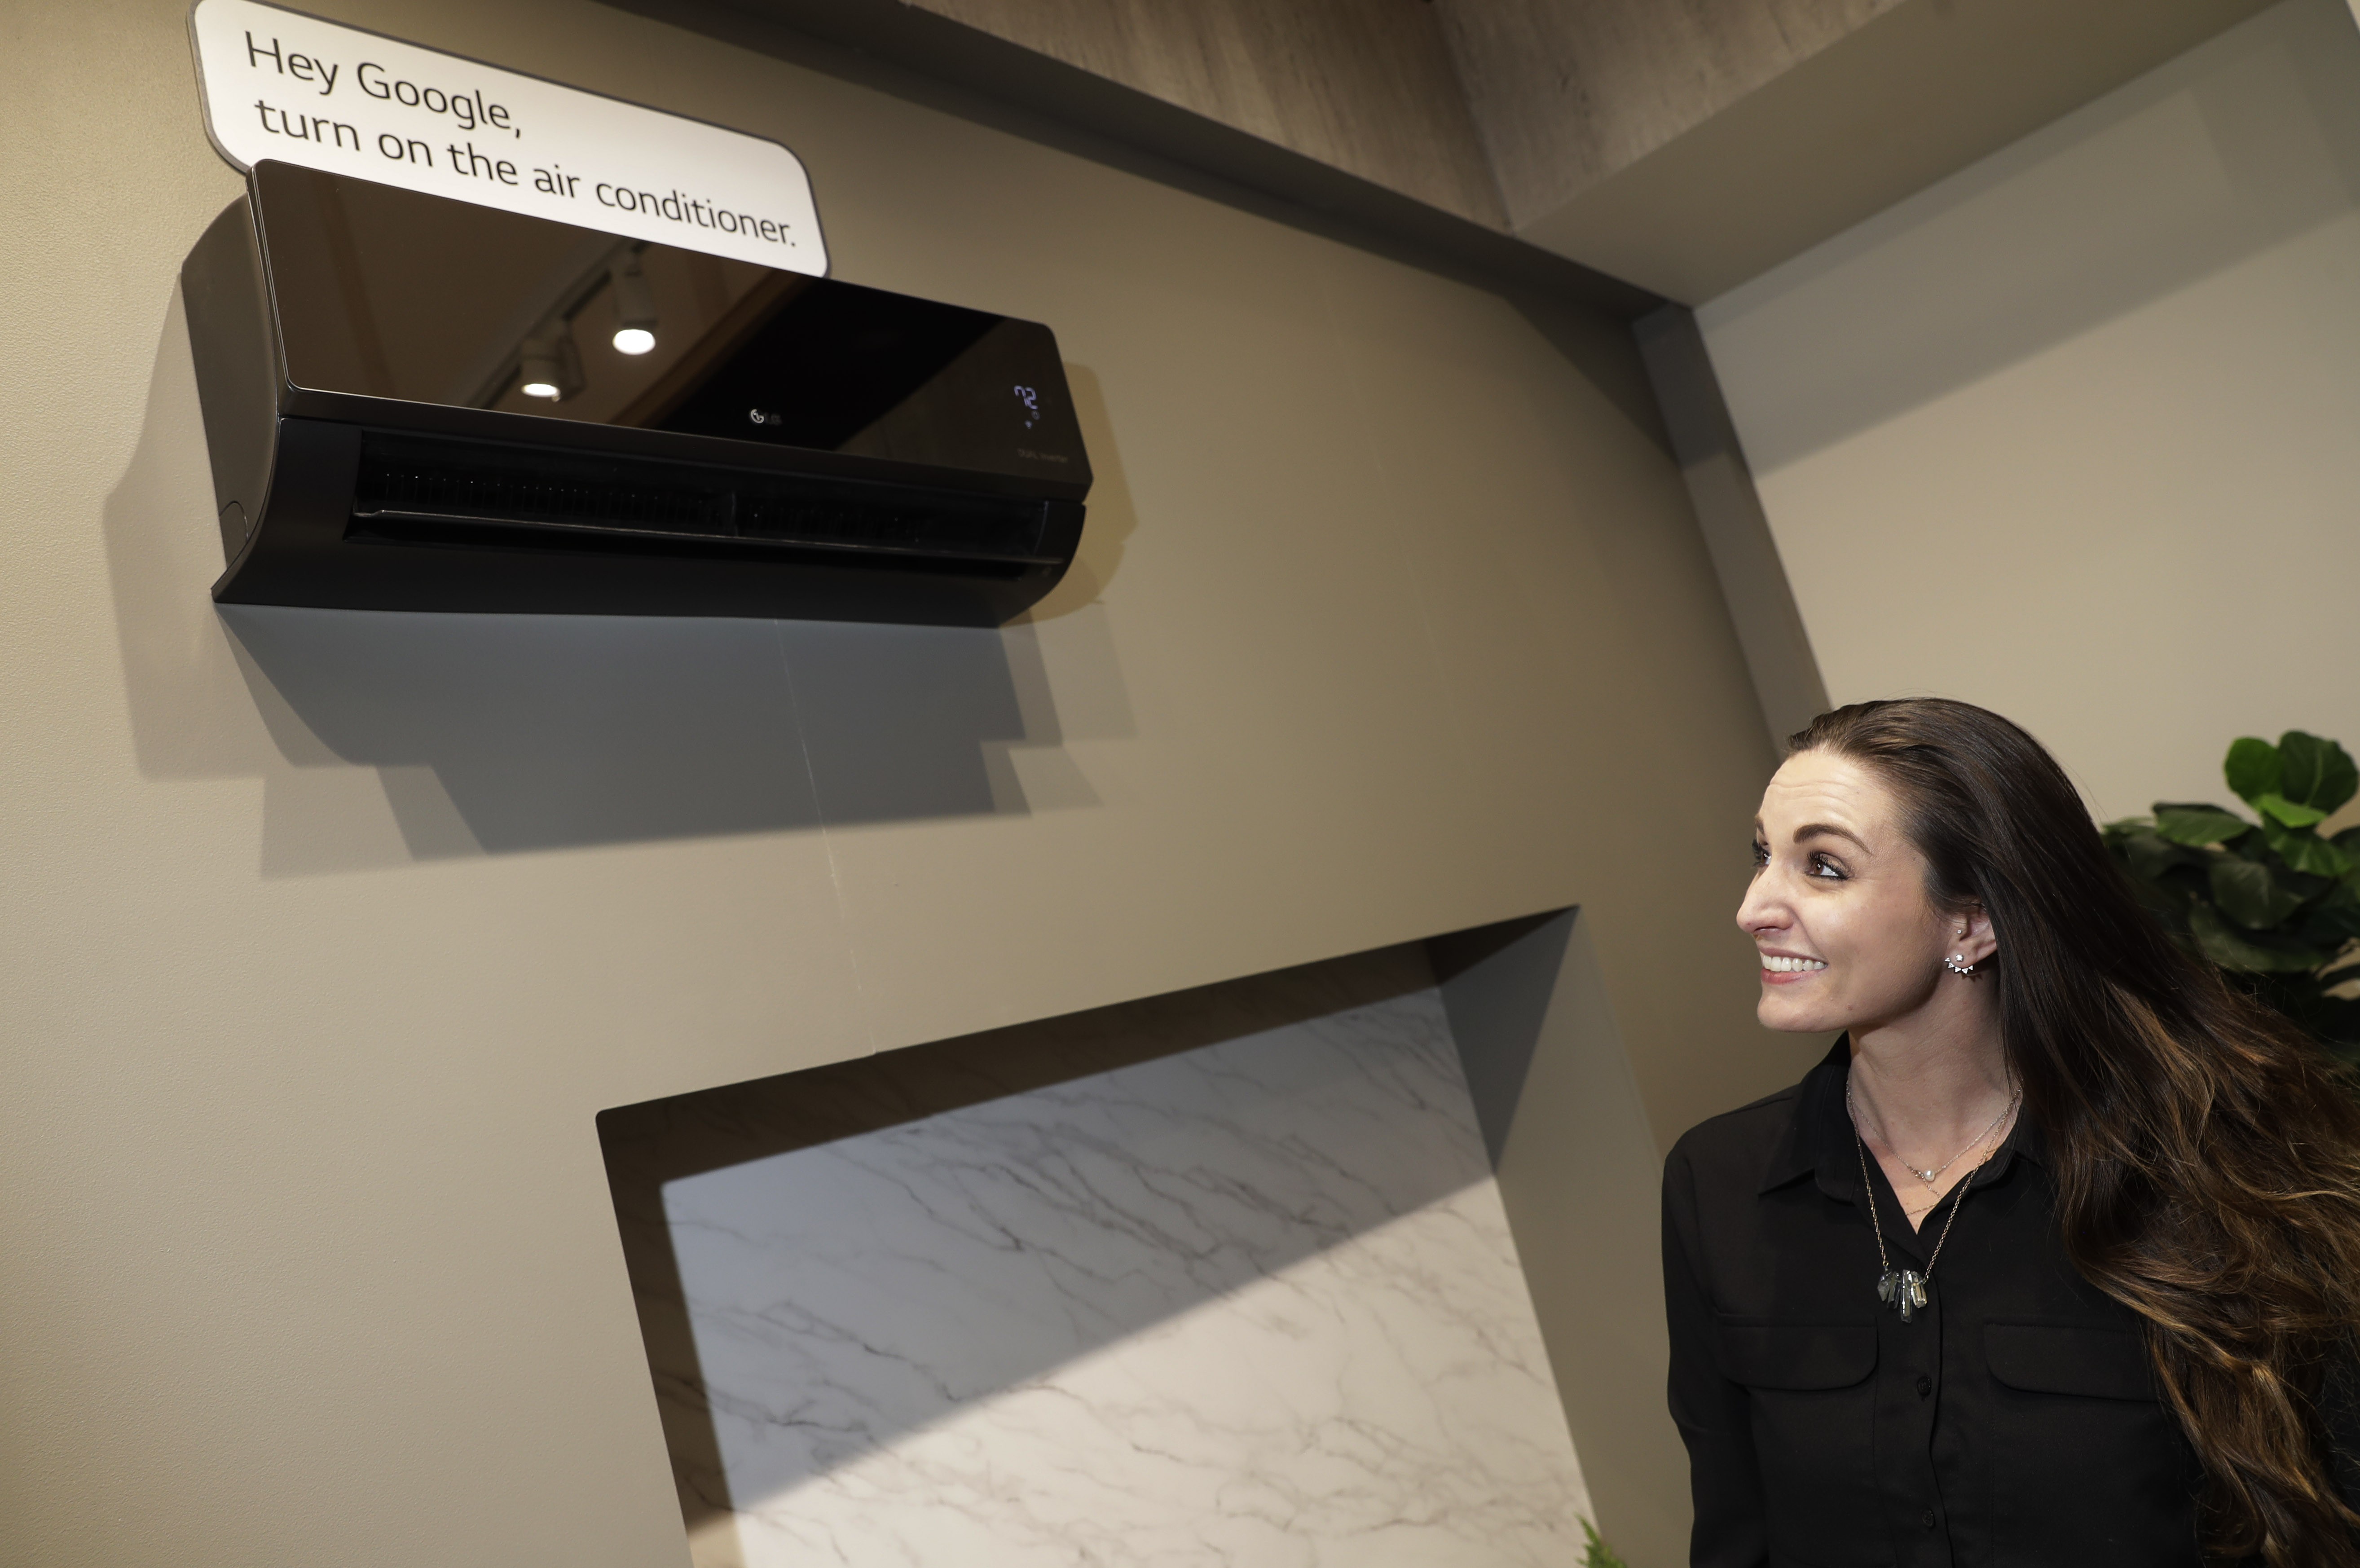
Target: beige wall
[(2073, 434), (323, 937)]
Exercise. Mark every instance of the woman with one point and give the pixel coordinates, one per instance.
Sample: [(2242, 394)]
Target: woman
[(2050, 1260)]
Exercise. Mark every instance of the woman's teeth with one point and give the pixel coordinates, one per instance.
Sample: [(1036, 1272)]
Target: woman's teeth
[(1790, 966)]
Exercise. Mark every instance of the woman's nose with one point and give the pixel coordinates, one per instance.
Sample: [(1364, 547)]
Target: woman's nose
[(1760, 909)]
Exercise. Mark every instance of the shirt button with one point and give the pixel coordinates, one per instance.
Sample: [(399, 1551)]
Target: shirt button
[(1927, 1518), (1925, 1386)]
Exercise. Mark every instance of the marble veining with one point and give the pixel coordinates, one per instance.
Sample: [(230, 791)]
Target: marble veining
[(1255, 1304)]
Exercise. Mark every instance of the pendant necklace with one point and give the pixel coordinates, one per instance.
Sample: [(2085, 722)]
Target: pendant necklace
[(1904, 1289), (1932, 1179)]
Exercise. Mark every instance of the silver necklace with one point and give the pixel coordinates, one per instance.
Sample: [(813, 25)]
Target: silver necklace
[(1904, 1290), (1932, 1179)]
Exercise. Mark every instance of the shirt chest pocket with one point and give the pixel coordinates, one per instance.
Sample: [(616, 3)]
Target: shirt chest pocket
[(2061, 1358), (1810, 1391), (1797, 1358), (2086, 1463)]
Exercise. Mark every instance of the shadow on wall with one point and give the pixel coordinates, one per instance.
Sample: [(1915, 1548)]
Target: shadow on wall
[(989, 1206), (386, 739), (2234, 148), (1604, 353)]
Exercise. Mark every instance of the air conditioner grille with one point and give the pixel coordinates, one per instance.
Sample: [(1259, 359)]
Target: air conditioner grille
[(464, 492), (482, 490)]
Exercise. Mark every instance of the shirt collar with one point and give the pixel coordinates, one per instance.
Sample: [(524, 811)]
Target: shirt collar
[(1820, 1140), (1818, 1136)]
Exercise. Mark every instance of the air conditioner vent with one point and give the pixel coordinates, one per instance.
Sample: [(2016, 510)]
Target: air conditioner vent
[(440, 485), (466, 493)]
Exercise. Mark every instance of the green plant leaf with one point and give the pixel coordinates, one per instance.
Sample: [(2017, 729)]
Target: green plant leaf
[(2325, 933), (2302, 885), (2249, 895), (2241, 950), (2162, 887), (2315, 772), (2305, 850), (2340, 912), (2146, 854), (2196, 826), (2280, 808), (2253, 767), (1598, 1554), (2179, 889)]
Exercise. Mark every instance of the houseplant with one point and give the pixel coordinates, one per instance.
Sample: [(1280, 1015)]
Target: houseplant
[(2271, 901)]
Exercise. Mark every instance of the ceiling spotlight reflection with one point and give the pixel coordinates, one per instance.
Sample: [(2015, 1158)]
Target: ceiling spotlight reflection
[(548, 365), (635, 305)]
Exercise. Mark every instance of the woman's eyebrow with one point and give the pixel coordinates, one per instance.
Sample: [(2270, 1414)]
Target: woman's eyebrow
[(1827, 830)]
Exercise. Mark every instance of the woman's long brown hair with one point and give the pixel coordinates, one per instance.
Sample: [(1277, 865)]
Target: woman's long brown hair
[(2206, 1154)]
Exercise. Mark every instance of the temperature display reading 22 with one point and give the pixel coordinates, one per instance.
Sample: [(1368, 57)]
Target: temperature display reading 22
[(1032, 402)]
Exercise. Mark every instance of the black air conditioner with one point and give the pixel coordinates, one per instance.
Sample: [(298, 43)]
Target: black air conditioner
[(416, 403)]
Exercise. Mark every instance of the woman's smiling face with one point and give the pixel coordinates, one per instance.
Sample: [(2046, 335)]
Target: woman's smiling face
[(1838, 907)]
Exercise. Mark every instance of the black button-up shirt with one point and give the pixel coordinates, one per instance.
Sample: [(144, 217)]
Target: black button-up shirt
[(2014, 1421)]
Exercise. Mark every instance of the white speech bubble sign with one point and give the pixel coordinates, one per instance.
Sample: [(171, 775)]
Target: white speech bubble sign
[(280, 85)]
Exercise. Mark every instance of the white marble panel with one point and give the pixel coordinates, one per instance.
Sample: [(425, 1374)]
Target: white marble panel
[(1254, 1304)]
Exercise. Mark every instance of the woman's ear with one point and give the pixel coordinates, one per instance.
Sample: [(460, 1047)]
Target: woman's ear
[(1969, 932)]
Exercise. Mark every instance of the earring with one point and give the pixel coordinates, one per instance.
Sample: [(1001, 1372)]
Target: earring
[(1957, 965)]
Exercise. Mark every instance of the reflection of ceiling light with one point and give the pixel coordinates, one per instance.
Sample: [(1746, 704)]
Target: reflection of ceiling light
[(635, 306), (548, 364)]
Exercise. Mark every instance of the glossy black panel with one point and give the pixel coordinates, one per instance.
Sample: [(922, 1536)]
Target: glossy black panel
[(416, 405), (388, 294)]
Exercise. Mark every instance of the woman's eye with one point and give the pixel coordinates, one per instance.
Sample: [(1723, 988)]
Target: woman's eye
[(1823, 867), (1761, 856)]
